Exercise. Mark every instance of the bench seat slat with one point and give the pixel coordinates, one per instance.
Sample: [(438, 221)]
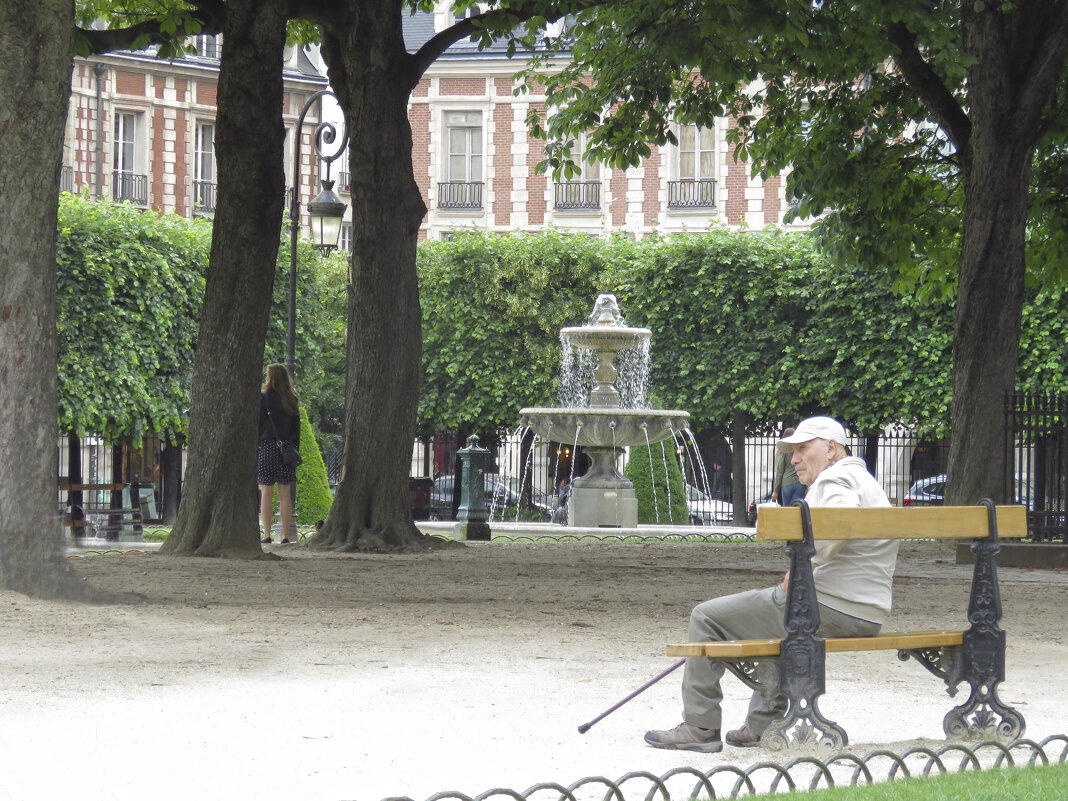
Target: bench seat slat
[(739, 649), (777, 523)]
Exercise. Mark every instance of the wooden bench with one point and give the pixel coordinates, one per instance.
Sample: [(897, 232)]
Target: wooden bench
[(116, 517), (795, 665)]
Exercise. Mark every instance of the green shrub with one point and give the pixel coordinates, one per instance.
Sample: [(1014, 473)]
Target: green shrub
[(313, 487), (654, 507)]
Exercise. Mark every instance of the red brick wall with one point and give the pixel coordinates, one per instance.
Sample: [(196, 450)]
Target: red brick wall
[(502, 164), (207, 93), (462, 86), (536, 183), (617, 214), (772, 202), (129, 83), (422, 89), (651, 187), (183, 179), (735, 182), (158, 167), (419, 114)]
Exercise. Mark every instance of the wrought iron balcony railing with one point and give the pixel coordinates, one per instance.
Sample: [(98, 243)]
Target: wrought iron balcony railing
[(583, 195), (344, 182), (203, 197), (692, 194), (130, 186), (460, 194)]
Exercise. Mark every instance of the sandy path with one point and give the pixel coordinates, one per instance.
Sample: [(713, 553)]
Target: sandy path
[(361, 677)]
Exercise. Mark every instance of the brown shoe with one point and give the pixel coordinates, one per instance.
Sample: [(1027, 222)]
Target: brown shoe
[(685, 737), (742, 738)]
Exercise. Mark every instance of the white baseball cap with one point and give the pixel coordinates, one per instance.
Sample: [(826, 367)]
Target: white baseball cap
[(814, 428)]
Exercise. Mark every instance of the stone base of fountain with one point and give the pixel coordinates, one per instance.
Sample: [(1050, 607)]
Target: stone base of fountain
[(600, 507), (602, 498)]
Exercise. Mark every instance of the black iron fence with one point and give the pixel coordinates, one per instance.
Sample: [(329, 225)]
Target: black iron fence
[(691, 194), (130, 186), (1036, 449), (460, 195), (578, 195), (898, 456), (203, 197)]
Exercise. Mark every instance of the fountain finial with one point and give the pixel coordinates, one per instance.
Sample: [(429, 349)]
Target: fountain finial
[(606, 311)]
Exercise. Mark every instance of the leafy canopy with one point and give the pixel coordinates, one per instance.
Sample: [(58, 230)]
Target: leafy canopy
[(862, 105)]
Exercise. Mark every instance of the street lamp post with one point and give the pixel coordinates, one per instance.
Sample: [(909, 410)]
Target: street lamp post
[(324, 211)]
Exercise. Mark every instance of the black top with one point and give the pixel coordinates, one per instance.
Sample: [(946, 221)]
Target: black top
[(288, 425)]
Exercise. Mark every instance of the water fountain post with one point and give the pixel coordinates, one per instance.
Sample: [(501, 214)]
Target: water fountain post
[(472, 518)]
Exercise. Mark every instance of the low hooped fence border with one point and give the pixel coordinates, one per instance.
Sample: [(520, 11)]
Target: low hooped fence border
[(802, 773)]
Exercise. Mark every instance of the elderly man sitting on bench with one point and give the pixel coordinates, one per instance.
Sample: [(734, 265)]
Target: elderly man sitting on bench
[(853, 581)]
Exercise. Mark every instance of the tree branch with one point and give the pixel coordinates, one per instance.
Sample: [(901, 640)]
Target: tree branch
[(929, 87), (210, 17), (1041, 44), (440, 42)]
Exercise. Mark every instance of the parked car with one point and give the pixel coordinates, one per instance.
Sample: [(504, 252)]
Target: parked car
[(704, 511), (751, 512), (931, 491), (497, 496)]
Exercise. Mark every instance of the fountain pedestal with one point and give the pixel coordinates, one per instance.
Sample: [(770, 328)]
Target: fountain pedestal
[(602, 497)]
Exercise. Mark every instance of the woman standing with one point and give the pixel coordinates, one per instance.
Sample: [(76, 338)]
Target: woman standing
[(279, 420)]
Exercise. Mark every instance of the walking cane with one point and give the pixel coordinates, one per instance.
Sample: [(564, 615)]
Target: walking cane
[(585, 727)]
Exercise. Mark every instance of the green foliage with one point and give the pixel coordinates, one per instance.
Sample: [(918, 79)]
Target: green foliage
[(1032, 783), (313, 488), (1044, 343), (863, 106), (741, 320), (492, 308), (658, 484), (319, 344), (130, 284)]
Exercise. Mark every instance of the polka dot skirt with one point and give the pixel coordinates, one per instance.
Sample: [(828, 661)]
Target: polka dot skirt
[(270, 469)]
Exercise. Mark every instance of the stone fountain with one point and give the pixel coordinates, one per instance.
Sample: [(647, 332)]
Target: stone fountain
[(602, 497)]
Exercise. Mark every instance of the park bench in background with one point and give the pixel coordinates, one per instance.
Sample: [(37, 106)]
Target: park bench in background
[(795, 665), (94, 517)]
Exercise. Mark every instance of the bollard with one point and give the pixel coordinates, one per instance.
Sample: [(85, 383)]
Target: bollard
[(473, 517)]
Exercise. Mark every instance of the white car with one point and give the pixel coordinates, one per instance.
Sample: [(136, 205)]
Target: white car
[(704, 511)]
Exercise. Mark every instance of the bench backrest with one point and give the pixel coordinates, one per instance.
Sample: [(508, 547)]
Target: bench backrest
[(884, 523)]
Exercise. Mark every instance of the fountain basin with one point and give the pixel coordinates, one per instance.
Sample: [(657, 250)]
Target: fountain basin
[(604, 427), (611, 338)]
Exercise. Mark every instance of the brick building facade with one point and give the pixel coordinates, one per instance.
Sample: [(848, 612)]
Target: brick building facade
[(142, 129)]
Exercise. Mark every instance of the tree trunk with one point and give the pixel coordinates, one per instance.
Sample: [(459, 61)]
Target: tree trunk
[(372, 75), (1006, 112), (171, 470), (37, 42), (217, 516)]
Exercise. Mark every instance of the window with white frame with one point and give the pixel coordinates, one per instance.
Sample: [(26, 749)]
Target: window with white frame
[(345, 243), (462, 187), (128, 183), (695, 168), (582, 190), (204, 168), (207, 46)]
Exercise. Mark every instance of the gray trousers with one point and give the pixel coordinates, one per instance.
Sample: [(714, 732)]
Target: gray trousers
[(755, 614)]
